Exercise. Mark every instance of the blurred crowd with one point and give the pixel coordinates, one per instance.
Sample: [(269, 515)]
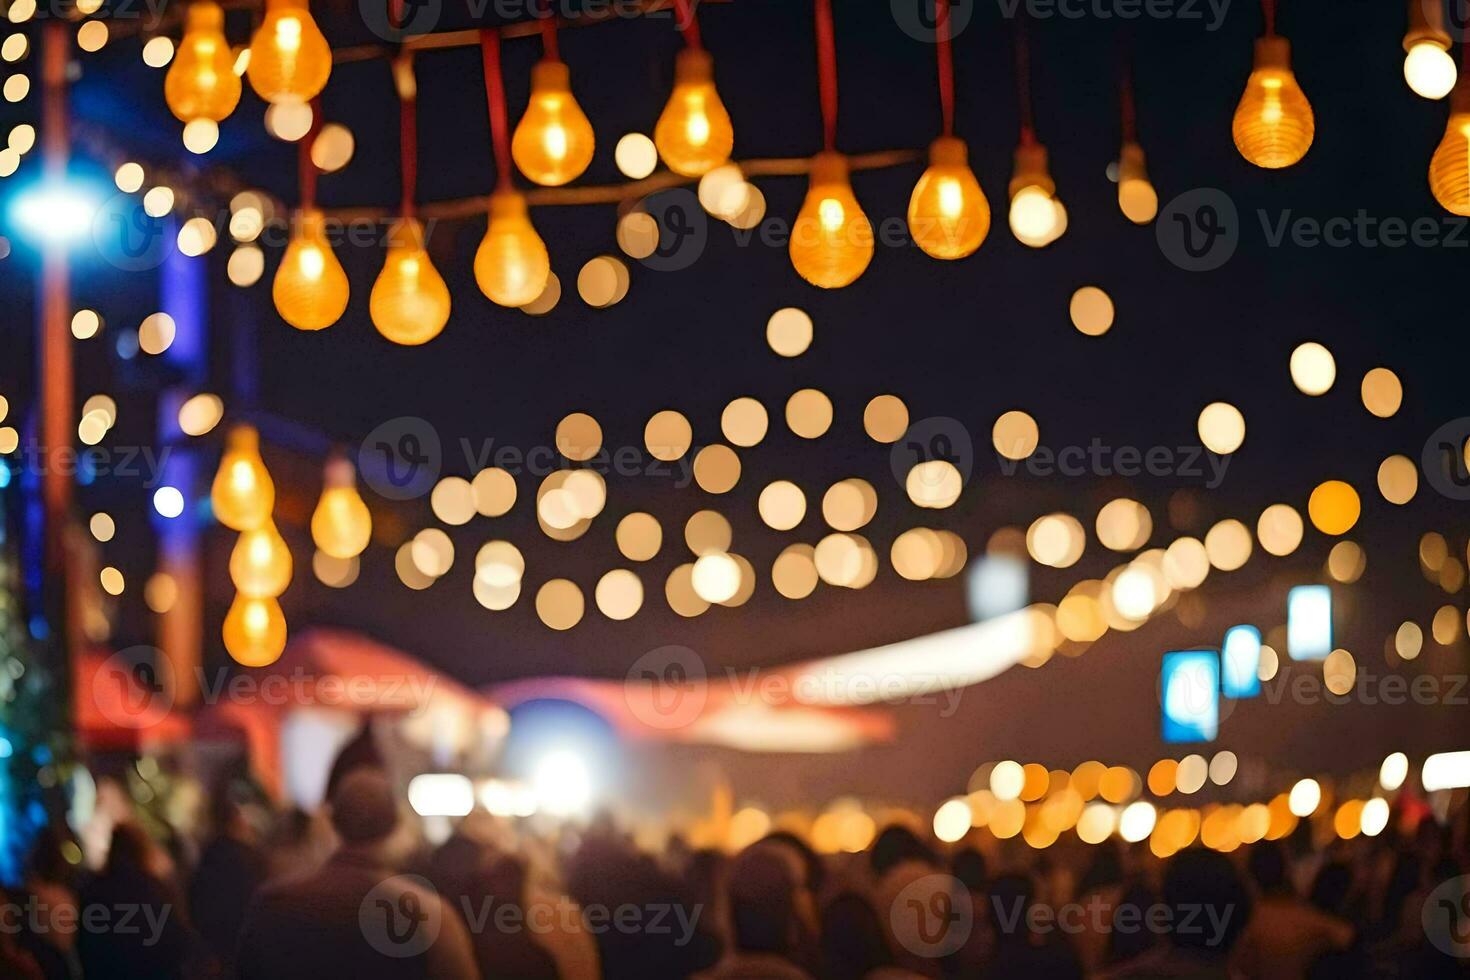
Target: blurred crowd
[(358, 894)]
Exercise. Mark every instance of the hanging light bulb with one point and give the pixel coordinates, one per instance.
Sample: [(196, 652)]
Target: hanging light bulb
[(242, 495), (310, 288), (1136, 195), (1428, 67), (260, 565), (1036, 217), (553, 141), (255, 631), (511, 264), (409, 303), (948, 214), (289, 58), (341, 526), (201, 81), (832, 239), (693, 133), (1273, 123), (1449, 169)]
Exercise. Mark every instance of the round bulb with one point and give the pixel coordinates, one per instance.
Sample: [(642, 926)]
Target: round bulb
[(693, 134), (553, 142), (242, 495), (948, 214), (341, 525), (1137, 198), (511, 264), (289, 58), (832, 239), (255, 631), (409, 303), (201, 82), (1035, 217), (310, 288), (260, 565), (1430, 70), (1449, 168), (1273, 123)]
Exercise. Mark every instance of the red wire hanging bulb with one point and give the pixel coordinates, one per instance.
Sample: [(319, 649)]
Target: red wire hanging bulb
[(1036, 215), (511, 264), (553, 142), (1273, 125), (693, 134), (831, 239), (310, 288), (1137, 198), (410, 302), (949, 215)]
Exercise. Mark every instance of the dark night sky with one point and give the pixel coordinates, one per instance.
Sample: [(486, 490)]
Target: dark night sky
[(969, 339)]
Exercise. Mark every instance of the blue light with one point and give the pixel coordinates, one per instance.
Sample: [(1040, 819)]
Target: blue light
[(1309, 622), (996, 585), (4, 474), (56, 211), (1189, 682), (1240, 662)]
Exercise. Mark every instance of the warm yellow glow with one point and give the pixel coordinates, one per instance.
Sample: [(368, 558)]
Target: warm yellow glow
[(310, 289), (1449, 168), (1305, 797), (1429, 69), (1137, 198), (260, 565), (1035, 217), (341, 525), (1273, 123), (289, 58), (1313, 368), (511, 264), (201, 82), (553, 142), (694, 134), (832, 239), (255, 631), (242, 495), (1334, 507), (1221, 428), (948, 213), (409, 303)]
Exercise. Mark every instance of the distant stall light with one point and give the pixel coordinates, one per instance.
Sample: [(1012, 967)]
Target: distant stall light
[(168, 501), (1309, 622), (441, 794), (1446, 770)]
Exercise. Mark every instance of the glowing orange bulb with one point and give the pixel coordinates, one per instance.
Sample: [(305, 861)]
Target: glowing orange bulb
[(255, 631), (511, 264), (201, 81), (242, 495), (341, 526), (1036, 216), (1273, 125), (1449, 169), (310, 289), (260, 565), (409, 303), (1137, 198), (553, 142), (290, 60), (948, 214), (832, 239), (694, 134)]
